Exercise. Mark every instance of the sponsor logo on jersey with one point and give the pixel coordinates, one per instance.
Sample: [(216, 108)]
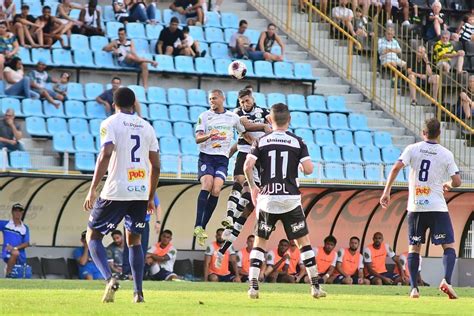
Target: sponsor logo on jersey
[(264, 227), (110, 226), (439, 236), (140, 225), (422, 191), (275, 188), (297, 227), (135, 174), (203, 167), (103, 132), (136, 188), (422, 202), (132, 125), (277, 140), (415, 239)]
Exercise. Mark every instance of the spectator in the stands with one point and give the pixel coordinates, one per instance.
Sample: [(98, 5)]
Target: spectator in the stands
[(191, 9), (419, 71), (161, 257), (63, 14), (17, 84), (344, 16), (107, 97), (8, 46), (394, 7), (266, 41), (7, 12), (60, 87), (445, 56), (134, 11), (26, 27), (10, 132), (466, 101), (90, 18), (241, 47), (40, 79), (189, 46), (168, 36), (466, 31), (53, 28), (87, 268), (216, 7), (389, 49), (115, 252), (16, 238), (124, 50), (436, 22)]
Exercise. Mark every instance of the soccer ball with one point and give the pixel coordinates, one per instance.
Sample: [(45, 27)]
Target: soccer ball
[(237, 70)]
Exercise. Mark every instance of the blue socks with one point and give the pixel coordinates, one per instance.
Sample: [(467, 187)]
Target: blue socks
[(99, 256), (201, 207), (449, 259), (211, 206), (413, 265), (137, 263)]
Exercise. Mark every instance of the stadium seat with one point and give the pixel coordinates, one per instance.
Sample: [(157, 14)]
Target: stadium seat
[(157, 95), (98, 42), (36, 126), (362, 138), (228, 32), (358, 122), (177, 96), (112, 29), (158, 111), (78, 126), (140, 93), (354, 172), (168, 14), (323, 137), (260, 99), (305, 134), (135, 30), (371, 154), (165, 63), (214, 35), (75, 91), (314, 151), (163, 129), (189, 146), (197, 33), (299, 120), (184, 64), (153, 31), (372, 172), (334, 171), (221, 65), (51, 111), (249, 64), (169, 145), (57, 44), (390, 154), (275, 50), (213, 19), (382, 139), (95, 110), (169, 164), (229, 19), (253, 36), (189, 164), (94, 127), (197, 97), (11, 103), (319, 121), (84, 161), (24, 54), (231, 99), (195, 111), (316, 103), (337, 104), (400, 176), (179, 113), (343, 138), (331, 153), (75, 109), (182, 129), (41, 54), (263, 69), (93, 90), (141, 46), (108, 13), (79, 41), (220, 50), (283, 70), (204, 66), (84, 143), (56, 125), (144, 111), (296, 102), (62, 142), (274, 98), (351, 153), (32, 107), (54, 268), (83, 58), (303, 71), (104, 60), (338, 121), (20, 160), (35, 264)]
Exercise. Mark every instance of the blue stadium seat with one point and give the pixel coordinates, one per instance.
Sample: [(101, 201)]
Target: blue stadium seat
[(169, 146), (98, 146), (83, 58), (331, 153), (372, 172), (165, 63), (158, 111), (141, 46), (56, 125), (390, 154), (305, 134), (197, 97), (382, 139), (303, 71), (197, 33), (195, 111), (189, 164), (354, 172), (214, 35), (144, 111), (184, 64), (299, 120), (351, 153), (296, 102), (231, 99), (229, 20), (41, 54), (323, 137), (221, 65), (204, 66), (93, 90), (253, 36), (62, 142), (163, 129), (94, 127), (263, 69), (314, 151), (20, 160), (168, 14), (319, 120), (51, 111), (75, 109), (371, 154), (343, 138), (334, 171), (112, 29), (104, 60), (177, 96), (179, 113), (84, 161), (158, 16), (11, 103), (249, 64), (362, 138), (169, 164), (75, 91), (98, 42), (228, 32), (338, 121), (79, 41), (220, 50), (213, 19), (316, 103), (337, 104), (78, 126), (260, 99), (108, 13), (358, 122), (135, 30), (74, 14), (24, 54), (84, 143), (36, 126), (400, 177), (283, 70), (274, 98), (157, 95), (140, 93), (95, 110), (57, 44), (276, 50), (153, 31), (32, 107), (189, 146), (181, 130)]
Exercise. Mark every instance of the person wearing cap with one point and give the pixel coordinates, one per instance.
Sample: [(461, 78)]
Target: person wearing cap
[(16, 238), (40, 78), (87, 268)]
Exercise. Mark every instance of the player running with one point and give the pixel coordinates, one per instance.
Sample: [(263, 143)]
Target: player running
[(430, 165), (130, 156), (279, 154), (214, 134)]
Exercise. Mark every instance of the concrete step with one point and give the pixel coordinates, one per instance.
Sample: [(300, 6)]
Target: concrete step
[(377, 122), (374, 114), (229, 6), (394, 130), (359, 106), (330, 80), (351, 97), (334, 89), (402, 141), (320, 72), (296, 55)]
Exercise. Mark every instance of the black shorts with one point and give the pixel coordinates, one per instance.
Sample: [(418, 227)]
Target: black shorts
[(293, 222), (392, 276), (340, 277), (439, 223)]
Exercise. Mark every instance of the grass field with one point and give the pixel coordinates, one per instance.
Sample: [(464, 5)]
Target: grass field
[(63, 297)]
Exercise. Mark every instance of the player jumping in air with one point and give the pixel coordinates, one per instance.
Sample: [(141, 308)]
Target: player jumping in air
[(430, 166), (214, 134), (130, 155), (279, 154)]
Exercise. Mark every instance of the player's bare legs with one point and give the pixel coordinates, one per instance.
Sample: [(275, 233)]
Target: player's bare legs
[(137, 263), (449, 260)]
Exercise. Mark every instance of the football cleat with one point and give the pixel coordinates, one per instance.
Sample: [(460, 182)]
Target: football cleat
[(219, 259), (110, 289), (253, 293), (317, 292), (448, 290), (200, 235), (414, 293), (138, 297), (228, 222)]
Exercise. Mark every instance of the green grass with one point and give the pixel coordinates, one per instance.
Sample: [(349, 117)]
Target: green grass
[(43, 297)]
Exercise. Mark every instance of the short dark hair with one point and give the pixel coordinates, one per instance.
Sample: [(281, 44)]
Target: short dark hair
[(250, 236), (219, 230), (121, 29), (174, 20), (280, 113), (244, 93), (218, 91), (283, 241), (432, 127), (271, 24), (186, 29), (331, 239), (167, 231), (249, 87), (116, 78), (13, 62), (116, 232), (377, 233), (46, 7), (356, 238), (242, 22), (25, 6), (124, 98)]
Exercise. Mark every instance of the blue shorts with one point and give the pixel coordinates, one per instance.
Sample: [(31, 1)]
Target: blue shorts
[(340, 277), (19, 260), (84, 272), (106, 215), (255, 55), (162, 275), (226, 278), (439, 223), (214, 165), (392, 276), (125, 63)]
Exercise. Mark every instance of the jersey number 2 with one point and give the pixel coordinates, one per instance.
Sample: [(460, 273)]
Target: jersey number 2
[(424, 167), (136, 138), (284, 164)]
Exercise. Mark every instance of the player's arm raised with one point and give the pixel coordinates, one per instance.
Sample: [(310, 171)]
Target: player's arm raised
[(254, 127), (385, 199), (99, 173)]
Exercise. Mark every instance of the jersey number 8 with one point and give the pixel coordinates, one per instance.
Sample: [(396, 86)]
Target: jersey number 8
[(424, 167)]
